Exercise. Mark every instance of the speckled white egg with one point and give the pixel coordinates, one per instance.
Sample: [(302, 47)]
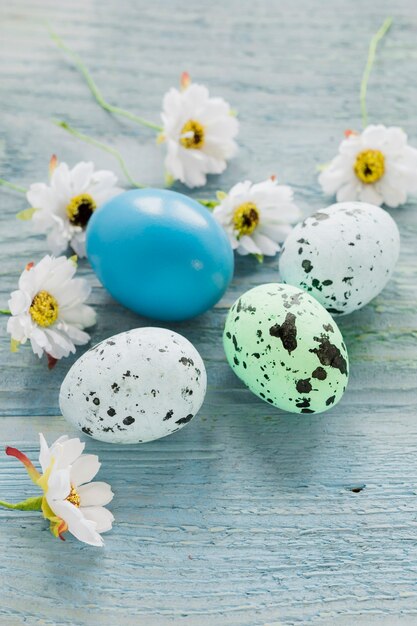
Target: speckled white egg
[(343, 255), (137, 386)]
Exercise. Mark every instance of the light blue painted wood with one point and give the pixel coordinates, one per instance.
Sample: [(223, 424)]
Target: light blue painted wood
[(247, 516)]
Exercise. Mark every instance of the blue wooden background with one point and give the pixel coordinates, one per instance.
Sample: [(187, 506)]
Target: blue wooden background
[(248, 516)]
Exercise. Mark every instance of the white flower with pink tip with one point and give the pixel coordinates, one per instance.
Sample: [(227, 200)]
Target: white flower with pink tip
[(199, 132)]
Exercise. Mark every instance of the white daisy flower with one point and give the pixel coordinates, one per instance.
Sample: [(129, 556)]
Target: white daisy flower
[(69, 493), (70, 501), (48, 308), (375, 166), (199, 132), (62, 208), (257, 217)]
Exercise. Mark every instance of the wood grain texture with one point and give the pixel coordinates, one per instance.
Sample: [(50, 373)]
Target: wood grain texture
[(248, 516)]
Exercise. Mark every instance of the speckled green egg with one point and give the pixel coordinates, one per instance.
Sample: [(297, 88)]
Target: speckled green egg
[(285, 346)]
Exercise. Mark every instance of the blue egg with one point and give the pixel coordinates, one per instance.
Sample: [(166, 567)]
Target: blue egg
[(160, 253)]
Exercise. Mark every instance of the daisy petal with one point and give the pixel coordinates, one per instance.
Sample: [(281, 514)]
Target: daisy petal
[(44, 454), (59, 485), (101, 516), (83, 529), (84, 469), (95, 494), (68, 451), (265, 244), (19, 302)]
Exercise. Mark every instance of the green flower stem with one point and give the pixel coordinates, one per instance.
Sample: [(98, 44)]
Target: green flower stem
[(210, 204), (95, 90), (5, 183), (5, 312), (31, 504), (369, 64), (102, 146)]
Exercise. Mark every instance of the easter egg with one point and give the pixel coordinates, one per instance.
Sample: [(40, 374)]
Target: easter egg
[(159, 253), (343, 255), (140, 385), (286, 348)]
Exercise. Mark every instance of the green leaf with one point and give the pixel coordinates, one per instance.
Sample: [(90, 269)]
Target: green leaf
[(26, 214), (31, 504), (259, 257), (209, 204)]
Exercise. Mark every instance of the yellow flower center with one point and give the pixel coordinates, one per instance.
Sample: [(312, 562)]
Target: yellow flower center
[(246, 218), (195, 135), (74, 497), (44, 309), (80, 209), (369, 166)]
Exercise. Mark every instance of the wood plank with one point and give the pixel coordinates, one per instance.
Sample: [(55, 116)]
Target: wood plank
[(248, 516)]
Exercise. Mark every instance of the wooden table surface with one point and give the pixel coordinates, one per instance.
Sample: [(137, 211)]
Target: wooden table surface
[(248, 516)]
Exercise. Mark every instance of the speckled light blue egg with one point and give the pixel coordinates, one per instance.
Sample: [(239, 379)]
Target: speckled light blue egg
[(160, 253)]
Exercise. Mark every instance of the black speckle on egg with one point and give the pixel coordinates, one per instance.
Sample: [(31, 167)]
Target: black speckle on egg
[(168, 415), (246, 308), (303, 385), (111, 412), (186, 361), (185, 420), (329, 354), (96, 401), (87, 431), (286, 332), (307, 266), (128, 420), (320, 216), (236, 344), (319, 373)]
